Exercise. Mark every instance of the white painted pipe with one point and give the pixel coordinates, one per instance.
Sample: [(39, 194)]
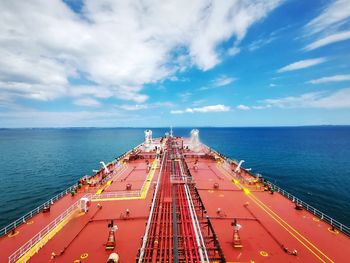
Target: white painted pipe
[(238, 168), (104, 165), (144, 241), (195, 222)]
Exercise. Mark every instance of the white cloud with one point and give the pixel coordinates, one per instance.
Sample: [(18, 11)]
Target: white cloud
[(122, 92), (232, 18), (91, 90), (272, 85), (177, 79), (261, 107), (329, 26), (233, 51), (326, 100), (213, 108), (205, 109), (185, 96), (87, 102), (302, 64), (337, 37), (199, 102), (243, 107), (331, 17), (335, 78), (136, 107), (260, 43), (117, 45), (37, 91), (103, 118), (133, 107), (223, 81)]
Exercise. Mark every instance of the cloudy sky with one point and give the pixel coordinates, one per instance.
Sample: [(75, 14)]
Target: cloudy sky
[(181, 63)]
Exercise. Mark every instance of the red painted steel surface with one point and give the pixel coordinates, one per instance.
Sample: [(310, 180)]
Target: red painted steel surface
[(196, 191)]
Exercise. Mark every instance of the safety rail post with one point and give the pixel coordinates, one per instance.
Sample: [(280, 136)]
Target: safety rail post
[(36, 210), (33, 212), (341, 227), (42, 233), (118, 194)]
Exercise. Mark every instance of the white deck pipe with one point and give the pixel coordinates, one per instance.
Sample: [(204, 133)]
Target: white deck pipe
[(104, 165), (238, 168)]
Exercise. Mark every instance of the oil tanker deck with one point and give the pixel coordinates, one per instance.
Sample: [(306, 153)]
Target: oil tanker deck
[(173, 199)]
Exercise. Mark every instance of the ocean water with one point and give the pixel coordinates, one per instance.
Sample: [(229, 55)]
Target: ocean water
[(313, 163)]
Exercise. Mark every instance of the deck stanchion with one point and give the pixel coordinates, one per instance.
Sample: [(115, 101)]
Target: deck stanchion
[(343, 228)]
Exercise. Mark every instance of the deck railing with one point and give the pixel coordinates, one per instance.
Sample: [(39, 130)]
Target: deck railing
[(341, 227), (42, 237), (7, 229), (118, 194), (35, 211), (336, 224)]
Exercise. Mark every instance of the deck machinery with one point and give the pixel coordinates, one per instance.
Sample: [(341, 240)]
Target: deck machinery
[(174, 199), (178, 229)]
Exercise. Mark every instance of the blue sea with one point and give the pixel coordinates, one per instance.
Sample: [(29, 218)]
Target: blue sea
[(313, 163)]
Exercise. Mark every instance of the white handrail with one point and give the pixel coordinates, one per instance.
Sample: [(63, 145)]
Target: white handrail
[(118, 194), (42, 233), (341, 227), (35, 211), (38, 209)]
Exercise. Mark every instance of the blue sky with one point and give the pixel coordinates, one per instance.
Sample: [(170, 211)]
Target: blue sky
[(160, 63)]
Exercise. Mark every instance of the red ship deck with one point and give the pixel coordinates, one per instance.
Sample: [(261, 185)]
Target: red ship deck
[(175, 205)]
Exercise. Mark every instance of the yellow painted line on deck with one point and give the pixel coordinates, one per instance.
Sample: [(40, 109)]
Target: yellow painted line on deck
[(124, 168), (99, 191), (229, 176), (143, 191), (109, 182), (149, 178), (281, 222), (117, 198), (292, 228), (35, 248)]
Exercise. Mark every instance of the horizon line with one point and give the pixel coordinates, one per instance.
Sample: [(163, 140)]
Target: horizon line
[(166, 127)]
